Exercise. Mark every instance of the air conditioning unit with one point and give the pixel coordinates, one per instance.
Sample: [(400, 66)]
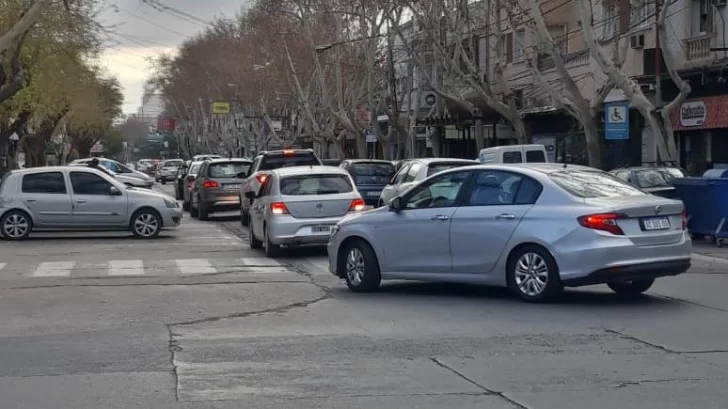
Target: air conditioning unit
[(637, 41)]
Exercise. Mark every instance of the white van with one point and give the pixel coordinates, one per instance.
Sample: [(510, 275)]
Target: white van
[(514, 154)]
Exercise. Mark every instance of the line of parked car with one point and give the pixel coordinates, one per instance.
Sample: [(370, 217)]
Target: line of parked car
[(532, 227)]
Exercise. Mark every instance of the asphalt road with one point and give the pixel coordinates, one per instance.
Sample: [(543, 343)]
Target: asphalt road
[(196, 319)]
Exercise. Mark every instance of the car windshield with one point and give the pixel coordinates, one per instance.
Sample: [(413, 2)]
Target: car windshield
[(194, 169), (228, 169), (372, 173), (592, 184), (648, 178), (439, 167), (279, 161), (173, 164), (315, 185)]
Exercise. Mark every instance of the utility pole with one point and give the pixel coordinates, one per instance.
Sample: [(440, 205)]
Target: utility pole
[(658, 58)]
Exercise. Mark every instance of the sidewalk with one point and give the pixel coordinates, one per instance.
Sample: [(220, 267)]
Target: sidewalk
[(708, 250)]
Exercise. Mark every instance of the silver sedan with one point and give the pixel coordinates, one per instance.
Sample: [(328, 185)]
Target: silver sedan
[(299, 206), (534, 228), (72, 197)]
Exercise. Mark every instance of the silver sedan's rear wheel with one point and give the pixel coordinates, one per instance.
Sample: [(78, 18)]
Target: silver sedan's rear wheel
[(15, 225), (360, 267), (533, 274), (146, 224)]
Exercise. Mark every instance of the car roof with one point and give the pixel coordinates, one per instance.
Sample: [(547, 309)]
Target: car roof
[(44, 169), (225, 160), (427, 161), (354, 161), (530, 169), (307, 170)]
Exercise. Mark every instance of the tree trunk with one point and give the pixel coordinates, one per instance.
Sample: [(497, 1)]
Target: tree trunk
[(593, 145), (479, 135), (361, 146)]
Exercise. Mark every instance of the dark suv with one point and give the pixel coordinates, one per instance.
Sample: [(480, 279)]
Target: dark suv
[(267, 161), (216, 186)]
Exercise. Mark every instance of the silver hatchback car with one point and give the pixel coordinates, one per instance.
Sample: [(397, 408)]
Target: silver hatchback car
[(71, 197), (534, 228), (299, 206)]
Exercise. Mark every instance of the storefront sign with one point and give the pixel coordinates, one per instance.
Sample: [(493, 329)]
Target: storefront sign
[(703, 113), (549, 143), (693, 113)]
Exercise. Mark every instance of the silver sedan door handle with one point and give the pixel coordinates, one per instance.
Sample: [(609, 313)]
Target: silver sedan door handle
[(506, 216), (439, 217), (30, 200), (80, 201)]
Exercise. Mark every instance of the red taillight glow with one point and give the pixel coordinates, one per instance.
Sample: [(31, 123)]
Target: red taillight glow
[(604, 221), (278, 208), (261, 177), (289, 152), (684, 220), (357, 205), (210, 184)]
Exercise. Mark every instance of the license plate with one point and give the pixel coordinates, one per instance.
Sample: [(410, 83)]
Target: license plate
[(656, 223), (321, 229), (374, 194), (232, 187)]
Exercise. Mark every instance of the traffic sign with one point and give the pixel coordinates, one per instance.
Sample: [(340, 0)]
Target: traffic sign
[(616, 120), (221, 107)]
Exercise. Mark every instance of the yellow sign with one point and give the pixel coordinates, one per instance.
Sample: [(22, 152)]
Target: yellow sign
[(221, 107)]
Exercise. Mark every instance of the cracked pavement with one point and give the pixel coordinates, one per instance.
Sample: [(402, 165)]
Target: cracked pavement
[(294, 337)]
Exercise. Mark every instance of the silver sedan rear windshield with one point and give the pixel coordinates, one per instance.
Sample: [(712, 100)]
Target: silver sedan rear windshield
[(590, 184), (228, 169), (315, 185)]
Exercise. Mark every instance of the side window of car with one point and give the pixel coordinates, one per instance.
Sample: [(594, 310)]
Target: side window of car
[(495, 188), (44, 183), (399, 177), (256, 165), (84, 183), (412, 173), (441, 191), (110, 166), (623, 175)]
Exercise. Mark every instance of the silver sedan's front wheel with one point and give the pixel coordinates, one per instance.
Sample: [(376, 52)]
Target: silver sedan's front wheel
[(355, 266), (146, 224), (15, 225), (533, 275), (358, 265)]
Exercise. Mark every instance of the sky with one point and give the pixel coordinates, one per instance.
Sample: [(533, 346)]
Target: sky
[(139, 32)]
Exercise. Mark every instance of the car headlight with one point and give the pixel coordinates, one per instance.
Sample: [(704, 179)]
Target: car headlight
[(172, 204), (334, 230)]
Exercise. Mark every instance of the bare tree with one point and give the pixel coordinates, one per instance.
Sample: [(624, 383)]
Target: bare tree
[(658, 119)]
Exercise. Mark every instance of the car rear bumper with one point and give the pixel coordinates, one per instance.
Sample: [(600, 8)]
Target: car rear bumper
[(631, 272), (288, 230), (230, 201)]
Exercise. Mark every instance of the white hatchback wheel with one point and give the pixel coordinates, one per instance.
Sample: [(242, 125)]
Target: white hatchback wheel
[(146, 224), (16, 226)]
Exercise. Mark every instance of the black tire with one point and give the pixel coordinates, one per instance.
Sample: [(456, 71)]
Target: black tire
[(527, 283), (186, 206), (19, 225), (193, 210), (202, 212), (631, 288), (244, 216), (146, 224), (368, 277), (271, 250), (255, 244), (164, 181)]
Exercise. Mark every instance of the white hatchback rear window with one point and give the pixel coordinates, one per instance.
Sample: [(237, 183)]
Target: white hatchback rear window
[(315, 185)]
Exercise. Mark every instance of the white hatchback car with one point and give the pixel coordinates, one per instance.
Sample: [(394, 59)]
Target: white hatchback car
[(70, 197), (299, 206)]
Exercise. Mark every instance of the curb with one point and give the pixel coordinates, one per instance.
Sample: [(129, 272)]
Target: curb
[(711, 259)]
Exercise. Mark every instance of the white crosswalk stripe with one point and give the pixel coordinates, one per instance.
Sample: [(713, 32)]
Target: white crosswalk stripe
[(195, 266), (126, 267), (254, 265), (54, 269)]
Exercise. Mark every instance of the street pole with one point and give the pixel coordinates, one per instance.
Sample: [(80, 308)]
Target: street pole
[(658, 66), (393, 80)]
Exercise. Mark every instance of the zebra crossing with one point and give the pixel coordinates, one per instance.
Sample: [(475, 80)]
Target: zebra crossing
[(156, 268)]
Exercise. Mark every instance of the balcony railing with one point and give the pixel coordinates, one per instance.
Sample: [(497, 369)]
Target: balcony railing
[(545, 62), (698, 48)]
